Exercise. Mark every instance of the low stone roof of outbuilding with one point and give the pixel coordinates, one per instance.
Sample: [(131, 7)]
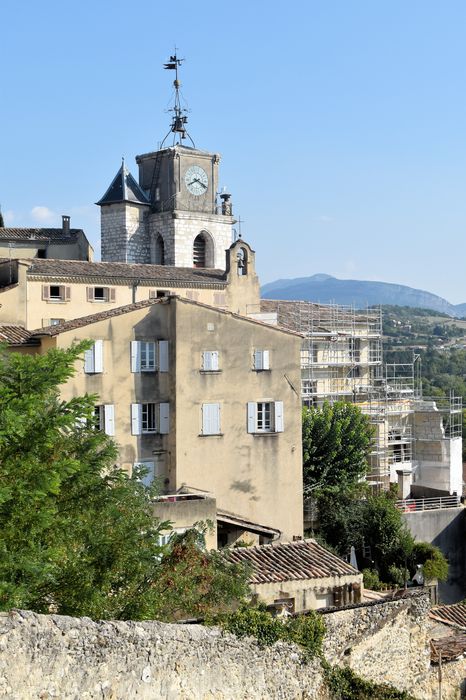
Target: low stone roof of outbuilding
[(39, 234), (119, 271), (448, 648), (291, 561)]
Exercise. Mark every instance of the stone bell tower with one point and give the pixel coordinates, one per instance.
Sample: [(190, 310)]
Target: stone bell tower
[(175, 215)]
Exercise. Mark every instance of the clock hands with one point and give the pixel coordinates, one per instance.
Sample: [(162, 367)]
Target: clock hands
[(199, 182)]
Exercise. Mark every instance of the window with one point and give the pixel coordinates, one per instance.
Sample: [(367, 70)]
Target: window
[(199, 251), (158, 293), (159, 251), (93, 358), (104, 418), (42, 253), (149, 418), (261, 360), (149, 355), (211, 419), (56, 321), (103, 294), (354, 349), (265, 417), (154, 468), (55, 292), (210, 361)]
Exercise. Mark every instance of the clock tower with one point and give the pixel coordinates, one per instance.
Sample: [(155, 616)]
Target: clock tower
[(184, 220)]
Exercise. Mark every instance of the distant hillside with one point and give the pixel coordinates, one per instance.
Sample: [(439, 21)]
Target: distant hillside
[(327, 289)]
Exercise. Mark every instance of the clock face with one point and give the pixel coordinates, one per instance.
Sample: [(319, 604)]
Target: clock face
[(196, 180)]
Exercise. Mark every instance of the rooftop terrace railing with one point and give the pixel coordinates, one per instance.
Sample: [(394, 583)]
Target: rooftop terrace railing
[(411, 505)]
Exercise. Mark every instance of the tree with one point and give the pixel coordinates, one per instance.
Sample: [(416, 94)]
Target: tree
[(2, 223), (337, 440), (76, 534)]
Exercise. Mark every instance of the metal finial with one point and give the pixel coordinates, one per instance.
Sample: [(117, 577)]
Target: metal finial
[(179, 119)]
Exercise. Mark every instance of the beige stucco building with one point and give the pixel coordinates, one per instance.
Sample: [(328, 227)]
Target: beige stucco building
[(65, 243), (207, 400)]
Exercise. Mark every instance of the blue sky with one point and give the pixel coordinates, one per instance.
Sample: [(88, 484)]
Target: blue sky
[(341, 123)]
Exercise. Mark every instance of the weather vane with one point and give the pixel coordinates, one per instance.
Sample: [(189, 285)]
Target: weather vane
[(179, 119)]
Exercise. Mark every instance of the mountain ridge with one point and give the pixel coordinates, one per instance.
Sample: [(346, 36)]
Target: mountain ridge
[(327, 289)]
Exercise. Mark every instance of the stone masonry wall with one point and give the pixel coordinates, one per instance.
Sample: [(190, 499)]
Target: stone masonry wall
[(52, 656)]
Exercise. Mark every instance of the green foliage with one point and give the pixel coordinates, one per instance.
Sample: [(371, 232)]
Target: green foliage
[(373, 525), (2, 223), (337, 440), (344, 684), (76, 534), (371, 580), (306, 630), (434, 563)]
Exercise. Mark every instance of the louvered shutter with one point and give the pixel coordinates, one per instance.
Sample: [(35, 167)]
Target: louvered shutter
[(279, 421), (45, 292), (136, 418), (214, 360), (252, 413), (66, 293), (89, 361), (163, 355), (111, 295), (210, 418), (135, 356), (152, 294), (258, 359), (164, 418), (265, 359), (90, 293), (109, 419), (206, 361), (98, 356)]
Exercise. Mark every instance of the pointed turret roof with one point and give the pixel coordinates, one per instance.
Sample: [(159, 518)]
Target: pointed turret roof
[(124, 188)]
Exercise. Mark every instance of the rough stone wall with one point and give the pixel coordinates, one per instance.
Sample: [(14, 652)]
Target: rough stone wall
[(62, 657), (385, 642)]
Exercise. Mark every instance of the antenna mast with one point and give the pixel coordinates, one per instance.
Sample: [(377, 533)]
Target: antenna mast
[(179, 119)]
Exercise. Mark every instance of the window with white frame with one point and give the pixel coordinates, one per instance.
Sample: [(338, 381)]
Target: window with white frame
[(210, 361), (261, 360), (56, 292), (265, 417), (94, 358), (149, 355), (100, 294), (104, 418), (147, 418), (211, 419)]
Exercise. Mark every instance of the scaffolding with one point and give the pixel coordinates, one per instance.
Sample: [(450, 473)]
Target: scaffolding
[(342, 360)]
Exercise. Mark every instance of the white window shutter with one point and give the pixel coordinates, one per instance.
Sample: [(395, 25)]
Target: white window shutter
[(206, 361), (214, 360), (164, 418), (252, 413), (163, 355), (279, 422), (265, 359), (210, 418), (135, 356), (109, 419), (89, 361), (136, 418), (258, 359), (98, 356)]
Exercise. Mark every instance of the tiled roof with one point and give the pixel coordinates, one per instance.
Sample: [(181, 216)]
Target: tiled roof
[(15, 335), (454, 615), (93, 318), (41, 234), (124, 188), (448, 648), (291, 561), (121, 271)]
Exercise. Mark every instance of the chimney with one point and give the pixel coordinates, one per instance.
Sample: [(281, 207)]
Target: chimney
[(65, 225)]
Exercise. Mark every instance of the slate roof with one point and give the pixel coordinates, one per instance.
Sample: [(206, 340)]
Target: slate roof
[(121, 271), (38, 234), (123, 188), (454, 615), (15, 335), (291, 561)]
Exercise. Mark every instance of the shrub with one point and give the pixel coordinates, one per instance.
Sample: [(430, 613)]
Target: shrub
[(344, 684), (371, 579)]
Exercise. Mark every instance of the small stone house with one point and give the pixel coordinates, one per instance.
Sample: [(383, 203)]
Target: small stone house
[(300, 576)]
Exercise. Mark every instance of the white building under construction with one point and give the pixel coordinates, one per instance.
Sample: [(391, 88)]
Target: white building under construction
[(418, 439)]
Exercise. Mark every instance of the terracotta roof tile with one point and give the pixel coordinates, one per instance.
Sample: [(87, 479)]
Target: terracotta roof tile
[(291, 561), (15, 335), (122, 271), (42, 234), (454, 615), (449, 648)]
